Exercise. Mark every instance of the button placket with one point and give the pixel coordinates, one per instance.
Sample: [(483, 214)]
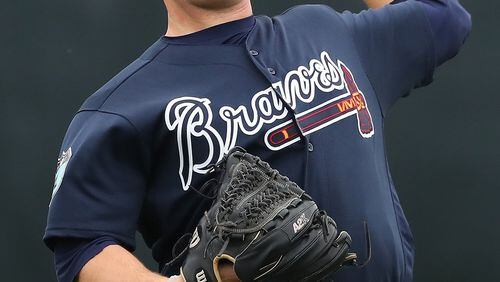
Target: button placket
[(260, 62), (254, 52), (310, 146)]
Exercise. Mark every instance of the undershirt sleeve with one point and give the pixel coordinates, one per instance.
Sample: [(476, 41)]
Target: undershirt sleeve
[(71, 255)]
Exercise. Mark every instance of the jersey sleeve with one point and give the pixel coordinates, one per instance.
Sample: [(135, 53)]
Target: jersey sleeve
[(401, 44), (100, 181)]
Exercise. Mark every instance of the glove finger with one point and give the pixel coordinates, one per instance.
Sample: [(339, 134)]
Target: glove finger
[(331, 260)]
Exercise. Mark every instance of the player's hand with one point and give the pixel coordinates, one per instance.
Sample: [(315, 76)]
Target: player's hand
[(227, 273), (175, 279), (375, 4)]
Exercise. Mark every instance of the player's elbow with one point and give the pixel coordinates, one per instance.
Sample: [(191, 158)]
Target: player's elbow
[(462, 22), (451, 25), (459, 28)]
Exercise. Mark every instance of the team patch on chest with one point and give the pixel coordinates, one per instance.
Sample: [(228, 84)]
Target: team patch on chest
[(192, 117)]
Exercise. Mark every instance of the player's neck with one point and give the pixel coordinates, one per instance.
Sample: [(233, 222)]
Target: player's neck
[(186, 19)]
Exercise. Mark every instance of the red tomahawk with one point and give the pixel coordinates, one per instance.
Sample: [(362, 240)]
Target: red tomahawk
[(324, 115)]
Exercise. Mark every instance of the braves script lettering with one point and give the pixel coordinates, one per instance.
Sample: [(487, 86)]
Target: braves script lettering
[(191, 117)]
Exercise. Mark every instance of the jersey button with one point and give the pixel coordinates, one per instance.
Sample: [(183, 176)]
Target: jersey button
[(310, 147), (271, 71), (254, 52)]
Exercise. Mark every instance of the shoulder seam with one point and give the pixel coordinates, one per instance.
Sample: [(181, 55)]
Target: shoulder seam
[(111, 113), (147, 61), (303, 5)]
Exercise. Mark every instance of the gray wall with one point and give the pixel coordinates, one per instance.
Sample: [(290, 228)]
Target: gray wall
[(442, 140)]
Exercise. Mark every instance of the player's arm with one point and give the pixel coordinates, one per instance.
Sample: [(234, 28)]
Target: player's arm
[(374, 4), (115, 263), (97, 200), (401, 44)]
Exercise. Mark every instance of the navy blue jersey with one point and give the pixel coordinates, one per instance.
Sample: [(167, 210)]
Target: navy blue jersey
[(307, 91)]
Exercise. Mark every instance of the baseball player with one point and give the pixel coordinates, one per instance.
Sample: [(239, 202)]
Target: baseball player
[(307, 91)]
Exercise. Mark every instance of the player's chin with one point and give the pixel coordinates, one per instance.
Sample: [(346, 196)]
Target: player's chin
[(215, 4)]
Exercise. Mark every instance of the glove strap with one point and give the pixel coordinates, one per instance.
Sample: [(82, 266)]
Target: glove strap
[(178, 257)]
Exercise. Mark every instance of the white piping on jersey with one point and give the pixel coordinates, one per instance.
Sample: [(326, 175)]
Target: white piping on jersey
[(191, 117)]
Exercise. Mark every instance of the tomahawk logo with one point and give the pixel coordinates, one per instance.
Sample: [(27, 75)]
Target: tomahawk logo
[(191, 117), (300, 223)]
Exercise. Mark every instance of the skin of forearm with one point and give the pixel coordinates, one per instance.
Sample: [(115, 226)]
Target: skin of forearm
[(374, 4), (114, 263)]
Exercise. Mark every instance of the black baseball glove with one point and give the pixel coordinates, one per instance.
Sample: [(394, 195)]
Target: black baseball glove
[(266, 226)]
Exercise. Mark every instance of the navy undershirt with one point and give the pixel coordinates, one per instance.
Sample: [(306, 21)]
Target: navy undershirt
[(72, 254)]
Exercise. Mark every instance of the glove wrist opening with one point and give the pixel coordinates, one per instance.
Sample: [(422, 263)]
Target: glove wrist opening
[(224, 269)]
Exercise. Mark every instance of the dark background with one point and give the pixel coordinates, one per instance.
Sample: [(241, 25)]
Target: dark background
[(442, 140)]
